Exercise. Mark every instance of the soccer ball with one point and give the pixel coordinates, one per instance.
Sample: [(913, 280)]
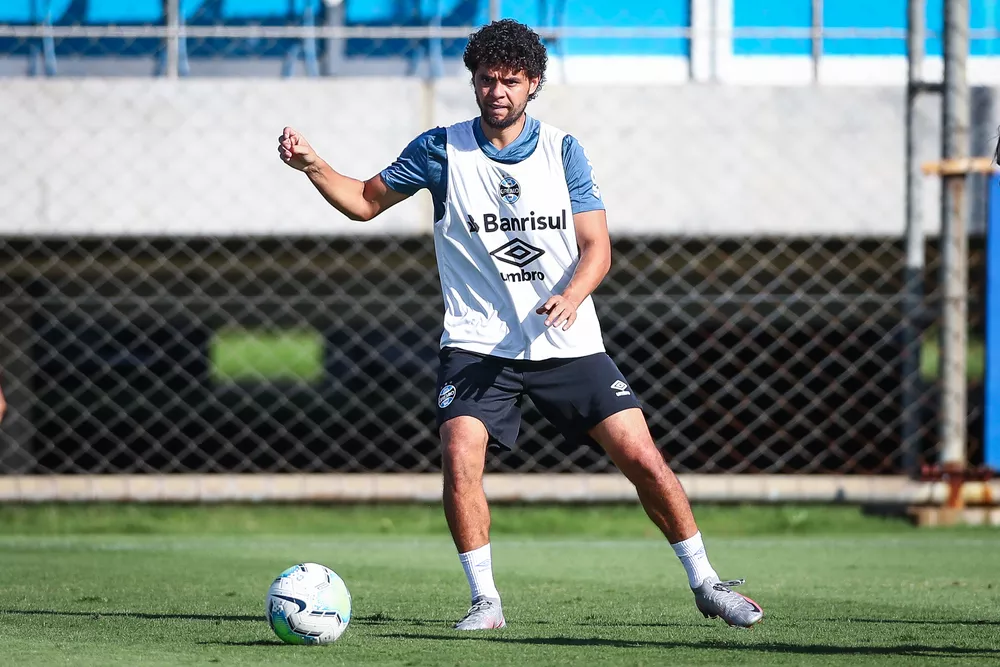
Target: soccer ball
[(308, 604)]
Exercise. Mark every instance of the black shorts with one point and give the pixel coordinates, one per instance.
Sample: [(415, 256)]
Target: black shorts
[(574, 395)]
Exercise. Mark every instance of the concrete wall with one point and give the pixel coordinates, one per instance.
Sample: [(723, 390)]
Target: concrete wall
[(146, 156)]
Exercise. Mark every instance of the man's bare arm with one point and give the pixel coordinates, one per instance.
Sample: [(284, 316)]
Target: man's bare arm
[(595, 255), (358, 200), (595, 260)]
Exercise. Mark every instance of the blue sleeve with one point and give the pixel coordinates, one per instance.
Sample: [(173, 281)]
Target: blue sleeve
[(584, 194), (422, 164)]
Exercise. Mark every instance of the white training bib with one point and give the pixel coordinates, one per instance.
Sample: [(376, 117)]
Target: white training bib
[(506, 244)]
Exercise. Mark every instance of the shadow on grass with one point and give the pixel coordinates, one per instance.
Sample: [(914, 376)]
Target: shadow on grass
[(908, 621), (595, 623), (133, 614), (372, 619), (624, 624), (255, 642), (382, 618), (913, 650)]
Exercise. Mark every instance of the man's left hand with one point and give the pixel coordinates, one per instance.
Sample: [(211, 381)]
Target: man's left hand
[(559, 310)]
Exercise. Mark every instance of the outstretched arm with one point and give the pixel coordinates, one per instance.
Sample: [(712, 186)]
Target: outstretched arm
[(595, 261), (358, 200)]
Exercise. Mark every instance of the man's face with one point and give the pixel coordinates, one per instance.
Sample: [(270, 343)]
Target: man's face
[(502, 95)]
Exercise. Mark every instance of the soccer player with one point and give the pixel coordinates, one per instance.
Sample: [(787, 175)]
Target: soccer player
[(522, 240)]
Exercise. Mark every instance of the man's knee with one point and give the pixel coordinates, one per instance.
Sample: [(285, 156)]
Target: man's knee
[(626, 438), (463, 442), (643, 460)]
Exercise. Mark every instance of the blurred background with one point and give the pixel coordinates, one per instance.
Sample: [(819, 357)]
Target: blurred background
[(175, 300)]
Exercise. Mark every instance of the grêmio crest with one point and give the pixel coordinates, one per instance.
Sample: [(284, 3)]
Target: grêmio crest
[(510, 190)]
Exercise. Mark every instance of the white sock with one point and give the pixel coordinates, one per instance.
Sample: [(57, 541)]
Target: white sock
[(478, 566), (694, 559)]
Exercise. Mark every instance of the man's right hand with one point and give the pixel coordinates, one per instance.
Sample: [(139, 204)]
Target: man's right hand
[(3, 405), (295, 151)]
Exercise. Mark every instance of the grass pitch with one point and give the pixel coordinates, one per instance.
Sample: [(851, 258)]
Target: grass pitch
[(129, 585)]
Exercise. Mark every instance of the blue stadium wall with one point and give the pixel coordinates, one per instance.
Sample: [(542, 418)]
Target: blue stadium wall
[(621, 14)]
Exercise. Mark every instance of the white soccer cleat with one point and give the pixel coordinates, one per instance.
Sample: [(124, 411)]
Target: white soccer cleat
[(715, 599), (484, 614)]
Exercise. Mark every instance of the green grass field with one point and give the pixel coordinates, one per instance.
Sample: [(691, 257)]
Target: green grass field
[(129, 585)]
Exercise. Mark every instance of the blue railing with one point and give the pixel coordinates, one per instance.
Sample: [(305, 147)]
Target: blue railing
[(622, 15), (858, 14)]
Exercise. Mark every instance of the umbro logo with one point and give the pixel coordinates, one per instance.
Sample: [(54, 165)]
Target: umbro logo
[(621, 388), (517, 252)]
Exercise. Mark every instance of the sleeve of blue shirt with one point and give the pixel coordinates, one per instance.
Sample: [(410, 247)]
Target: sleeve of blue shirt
[(584, 194), (422, 164)]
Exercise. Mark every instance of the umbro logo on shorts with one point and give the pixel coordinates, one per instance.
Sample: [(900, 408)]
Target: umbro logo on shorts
[(621, 388)]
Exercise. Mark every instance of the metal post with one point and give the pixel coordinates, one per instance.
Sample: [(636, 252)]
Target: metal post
[(309, 49), (817, 37), (713, 39), (173, 16), (335, 46), (495, 10), (701, 64), (913, 273), (435, 46), (48, 43), (983, 114), (954, 241), (722, 37)]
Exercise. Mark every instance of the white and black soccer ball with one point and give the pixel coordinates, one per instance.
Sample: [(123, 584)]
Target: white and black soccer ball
[(308, 604)]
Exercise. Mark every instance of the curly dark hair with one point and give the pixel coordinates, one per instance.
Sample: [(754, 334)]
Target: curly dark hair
[(507, 44)]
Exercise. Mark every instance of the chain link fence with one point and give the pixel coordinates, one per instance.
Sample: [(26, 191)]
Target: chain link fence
[(769, 355), (173, 299)]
